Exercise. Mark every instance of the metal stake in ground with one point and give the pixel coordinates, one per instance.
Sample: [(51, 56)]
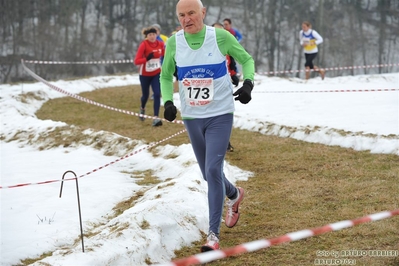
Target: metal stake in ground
[(80, 214)]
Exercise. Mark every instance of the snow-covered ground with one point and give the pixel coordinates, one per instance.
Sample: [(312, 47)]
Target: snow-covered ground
[(169, 215)]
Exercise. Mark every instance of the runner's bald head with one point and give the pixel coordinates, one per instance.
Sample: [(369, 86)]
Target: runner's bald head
[(191, 15)]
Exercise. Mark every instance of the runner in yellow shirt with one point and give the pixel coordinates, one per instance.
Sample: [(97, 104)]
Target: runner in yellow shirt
[(309, 39)]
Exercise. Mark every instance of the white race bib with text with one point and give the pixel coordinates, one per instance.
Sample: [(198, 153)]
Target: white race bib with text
[(198, 91), (153, 64)]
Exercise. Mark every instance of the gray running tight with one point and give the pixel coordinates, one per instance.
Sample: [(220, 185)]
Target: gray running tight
[(209, 138)]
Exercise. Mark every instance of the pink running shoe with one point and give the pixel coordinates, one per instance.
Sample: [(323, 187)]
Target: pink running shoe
[(212, 243), (232, 214)]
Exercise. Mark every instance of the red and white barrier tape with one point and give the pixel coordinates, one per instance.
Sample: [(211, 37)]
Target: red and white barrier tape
[(260, 73), (320, 91), (327, 69), (38, 78), (80, 63), (34, 75), (99, 168), (265, 243), (80, 98)]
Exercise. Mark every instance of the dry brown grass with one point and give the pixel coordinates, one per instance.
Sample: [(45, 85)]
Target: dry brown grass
[(296, 185)]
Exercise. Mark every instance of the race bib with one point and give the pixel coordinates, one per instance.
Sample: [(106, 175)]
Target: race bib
[(153, 64), (198, 91), (310, 44)]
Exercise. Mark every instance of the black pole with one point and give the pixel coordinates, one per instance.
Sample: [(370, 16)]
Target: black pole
[(80, 214)]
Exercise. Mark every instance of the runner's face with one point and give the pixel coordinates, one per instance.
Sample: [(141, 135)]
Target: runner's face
[(152, 37), (226, 25), (191, 15), (305, 27)]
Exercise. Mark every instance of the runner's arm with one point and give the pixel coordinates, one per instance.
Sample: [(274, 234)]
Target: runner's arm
[(318, 37), (168, 68), (238, 35), (300, 38), (140, 56), (228, 44)]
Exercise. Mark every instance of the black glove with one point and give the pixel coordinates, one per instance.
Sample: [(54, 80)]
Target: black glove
[(150, 56), (244, 93), (170, 111), (235, 80)]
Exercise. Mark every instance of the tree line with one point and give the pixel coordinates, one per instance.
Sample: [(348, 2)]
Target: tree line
[(355, 32)]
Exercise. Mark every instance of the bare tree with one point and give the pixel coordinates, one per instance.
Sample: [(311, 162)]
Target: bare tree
[(355, 32)]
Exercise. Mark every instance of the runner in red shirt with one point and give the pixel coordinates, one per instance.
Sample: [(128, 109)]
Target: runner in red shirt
[(148, 57)]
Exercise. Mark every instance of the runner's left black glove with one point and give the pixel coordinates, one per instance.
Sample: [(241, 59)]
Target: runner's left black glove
[(149, 56), (170, 111), (244, 93)]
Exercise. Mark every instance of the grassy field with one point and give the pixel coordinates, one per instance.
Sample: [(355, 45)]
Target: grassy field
[(296, 185)]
